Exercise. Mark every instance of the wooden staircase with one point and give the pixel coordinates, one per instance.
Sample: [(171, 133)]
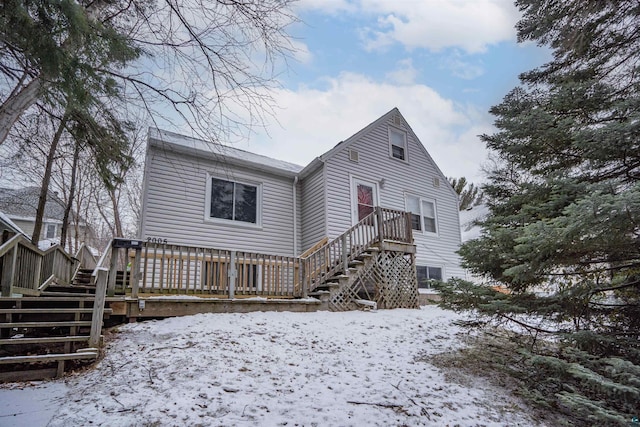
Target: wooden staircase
[(370, 265), (41, 336)]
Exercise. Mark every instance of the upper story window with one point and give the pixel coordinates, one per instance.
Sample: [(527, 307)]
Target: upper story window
[(234, 201), (398, 144), (423, 214)]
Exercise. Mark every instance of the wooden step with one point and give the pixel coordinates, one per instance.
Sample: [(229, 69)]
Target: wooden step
[(45, 324), (64, 294), (48, 357), (49, 310), (78, 287), (43, 340)]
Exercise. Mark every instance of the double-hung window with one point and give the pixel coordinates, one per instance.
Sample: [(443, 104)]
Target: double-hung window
[(398, 144), (423, 214), (234, 201)]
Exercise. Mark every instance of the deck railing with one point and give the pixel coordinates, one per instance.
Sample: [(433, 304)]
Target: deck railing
[(179, 269), (335, 256), (160, 268), (24, 268)]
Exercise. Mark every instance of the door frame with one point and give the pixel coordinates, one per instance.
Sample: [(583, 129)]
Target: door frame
[(355, 181)]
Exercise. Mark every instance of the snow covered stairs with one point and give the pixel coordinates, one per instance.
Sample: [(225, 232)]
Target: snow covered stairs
[(41, 336)]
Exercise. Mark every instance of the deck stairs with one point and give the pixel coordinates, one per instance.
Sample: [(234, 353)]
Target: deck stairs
[(41, 336), (370, 266)]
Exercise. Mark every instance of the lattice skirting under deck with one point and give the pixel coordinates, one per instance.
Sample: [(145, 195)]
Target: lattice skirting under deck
[(388, 278)]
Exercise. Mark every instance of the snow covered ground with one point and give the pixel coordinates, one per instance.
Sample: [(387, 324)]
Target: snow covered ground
[(270, 369)]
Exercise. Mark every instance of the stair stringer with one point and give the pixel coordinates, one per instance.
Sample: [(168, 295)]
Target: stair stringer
[(387, 278)]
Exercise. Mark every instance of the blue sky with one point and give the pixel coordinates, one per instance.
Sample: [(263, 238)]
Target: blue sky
[(443, 63)]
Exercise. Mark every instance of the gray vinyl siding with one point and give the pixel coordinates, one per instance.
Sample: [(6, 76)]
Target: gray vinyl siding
[(176, 199), (313, 208), (414, 177)]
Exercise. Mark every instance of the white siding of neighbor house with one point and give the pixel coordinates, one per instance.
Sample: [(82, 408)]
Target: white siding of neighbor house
[(313, 208), (416, 177), (175, 202)]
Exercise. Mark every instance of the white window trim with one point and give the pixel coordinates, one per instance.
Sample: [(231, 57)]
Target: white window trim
[(230, 222), (406, 144), (435, 212)]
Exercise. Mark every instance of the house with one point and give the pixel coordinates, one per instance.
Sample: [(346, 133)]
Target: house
[(20, 205), (196, 193), (7, 225)]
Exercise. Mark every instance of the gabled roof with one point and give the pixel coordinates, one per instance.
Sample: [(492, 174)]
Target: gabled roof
[(194, 146), (23, 203), (353, 138)]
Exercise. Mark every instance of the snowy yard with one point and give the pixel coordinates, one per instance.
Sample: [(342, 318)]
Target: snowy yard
[(270, 369)]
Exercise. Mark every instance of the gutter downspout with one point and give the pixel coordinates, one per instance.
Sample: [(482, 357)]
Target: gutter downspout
[(295, 217)]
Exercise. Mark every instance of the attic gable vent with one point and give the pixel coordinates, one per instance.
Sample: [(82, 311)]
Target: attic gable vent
[(354, 156), (436, 181), (397, 120)]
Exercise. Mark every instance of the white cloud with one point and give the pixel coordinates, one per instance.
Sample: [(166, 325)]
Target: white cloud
[(461, 68), (327, 6), (470, 25), (301, 52), (311, 121), (404, 74)]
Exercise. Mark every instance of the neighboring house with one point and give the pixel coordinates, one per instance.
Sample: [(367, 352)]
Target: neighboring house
[(7, 225), (200, 194), (20, 205)]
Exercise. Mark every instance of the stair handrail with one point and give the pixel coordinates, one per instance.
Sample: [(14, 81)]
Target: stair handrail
[(379, 225), (99, 278), (86, 257), (33, 273), (102, 261), (333, 257)]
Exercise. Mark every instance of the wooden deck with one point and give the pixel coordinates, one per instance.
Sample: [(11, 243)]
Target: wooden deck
[(55, 303)]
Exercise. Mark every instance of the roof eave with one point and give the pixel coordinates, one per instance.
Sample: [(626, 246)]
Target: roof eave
[(193, 151)]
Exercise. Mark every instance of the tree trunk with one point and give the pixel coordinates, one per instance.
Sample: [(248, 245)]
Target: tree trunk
[(72, 191), (116, 212), (46, 179), (16, 104)]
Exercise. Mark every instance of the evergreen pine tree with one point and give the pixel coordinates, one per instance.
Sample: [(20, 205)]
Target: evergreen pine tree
[(563, 234)]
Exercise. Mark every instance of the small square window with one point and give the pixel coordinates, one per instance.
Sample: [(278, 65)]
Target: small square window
[(426, 275), (398, 142)]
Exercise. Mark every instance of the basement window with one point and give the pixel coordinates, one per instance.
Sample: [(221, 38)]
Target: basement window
[(427, 274)]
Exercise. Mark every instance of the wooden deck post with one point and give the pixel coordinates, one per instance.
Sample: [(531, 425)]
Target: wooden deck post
[(379, 219), (232, 273), (345, 255), (98, 307), (303, 277), (134, 276), (9, 271), (113, 271), (37, 279)]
